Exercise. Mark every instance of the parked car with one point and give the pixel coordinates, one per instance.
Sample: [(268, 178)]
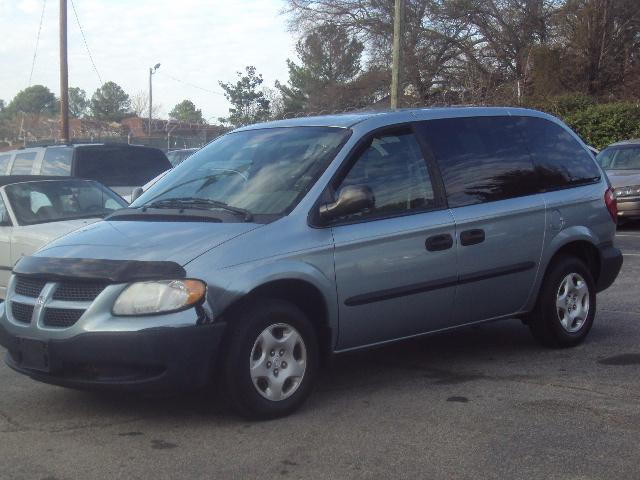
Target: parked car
[(621, 161), (120, 167), (35, 210), (279, 245), (176, 157)]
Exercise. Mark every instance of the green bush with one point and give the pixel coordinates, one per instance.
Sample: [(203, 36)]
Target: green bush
[(598, 124), (601, 125)]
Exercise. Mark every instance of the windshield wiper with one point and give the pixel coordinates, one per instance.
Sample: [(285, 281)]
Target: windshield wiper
[(198, 203)]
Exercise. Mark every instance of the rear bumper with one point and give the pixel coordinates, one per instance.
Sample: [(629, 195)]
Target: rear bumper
[(628, 208), (610, 265), (155, 359)]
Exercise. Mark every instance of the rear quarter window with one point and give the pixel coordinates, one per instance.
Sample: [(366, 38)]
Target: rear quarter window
[(120, 166), (4, 163), (57, 161), (23, 163), (560, 161)]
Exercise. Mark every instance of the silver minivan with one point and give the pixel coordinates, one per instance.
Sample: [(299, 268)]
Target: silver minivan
[(281, 244)]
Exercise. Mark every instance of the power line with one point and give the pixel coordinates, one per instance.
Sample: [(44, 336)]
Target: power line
[(84, 39), (35, 51), (190, 84)]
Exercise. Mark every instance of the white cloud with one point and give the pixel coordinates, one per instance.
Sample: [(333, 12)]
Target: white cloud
[(30, 6), (199, 41)]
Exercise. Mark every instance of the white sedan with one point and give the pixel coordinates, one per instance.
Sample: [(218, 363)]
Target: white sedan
[(36, 210)]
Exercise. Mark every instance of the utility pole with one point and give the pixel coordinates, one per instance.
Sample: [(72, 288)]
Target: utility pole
[(64, 75), (152, 70), (396, 66)]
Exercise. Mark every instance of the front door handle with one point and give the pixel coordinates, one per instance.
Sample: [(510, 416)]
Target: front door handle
[(472, 237), (436, 243)]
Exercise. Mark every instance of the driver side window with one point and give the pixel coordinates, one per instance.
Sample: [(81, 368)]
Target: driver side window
[(393, 168)]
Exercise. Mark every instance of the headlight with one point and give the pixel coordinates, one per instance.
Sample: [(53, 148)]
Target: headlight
[(627, 191), (144, 298)]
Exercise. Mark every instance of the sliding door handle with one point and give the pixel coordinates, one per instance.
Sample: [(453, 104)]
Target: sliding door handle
[(471, 237), (439, 242)]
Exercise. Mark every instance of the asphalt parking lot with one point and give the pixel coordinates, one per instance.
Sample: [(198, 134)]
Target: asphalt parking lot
[(485, 402)]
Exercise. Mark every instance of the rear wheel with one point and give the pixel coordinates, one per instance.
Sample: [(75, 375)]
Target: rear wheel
[(271, 360), (566, 305)]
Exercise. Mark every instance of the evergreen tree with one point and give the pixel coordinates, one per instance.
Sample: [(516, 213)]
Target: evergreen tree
[(186, 111), (110, 102), (329, 63), (34, 99), (248, 103)]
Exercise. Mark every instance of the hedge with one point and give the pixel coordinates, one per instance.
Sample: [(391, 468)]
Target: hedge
[(599, 124)]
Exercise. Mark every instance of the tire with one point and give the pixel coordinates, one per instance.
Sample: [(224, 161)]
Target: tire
[(566, 305), (271, 359)]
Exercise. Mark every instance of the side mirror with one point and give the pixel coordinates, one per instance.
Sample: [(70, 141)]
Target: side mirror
[(351, 199), (136, 193)]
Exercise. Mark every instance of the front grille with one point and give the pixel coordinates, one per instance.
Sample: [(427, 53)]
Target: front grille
[(76, 292), (79, 292), (61, 317), (29, 287), (21, 312)]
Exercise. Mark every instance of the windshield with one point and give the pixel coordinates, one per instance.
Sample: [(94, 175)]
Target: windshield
[(620, 158), (264, 172), (178, 156), (56, 200)]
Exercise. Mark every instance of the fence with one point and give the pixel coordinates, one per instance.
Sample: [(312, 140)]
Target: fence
[(164, 143)]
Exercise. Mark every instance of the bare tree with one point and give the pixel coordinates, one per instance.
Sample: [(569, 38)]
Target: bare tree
[(140, 105), (601, 45)]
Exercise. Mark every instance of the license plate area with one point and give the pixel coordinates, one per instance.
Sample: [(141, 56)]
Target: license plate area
[(33, 354)]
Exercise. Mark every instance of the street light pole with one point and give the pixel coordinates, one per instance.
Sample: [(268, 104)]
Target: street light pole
[(152, 70)]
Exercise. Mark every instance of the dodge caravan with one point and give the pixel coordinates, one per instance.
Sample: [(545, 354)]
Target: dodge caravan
[(281, 244)]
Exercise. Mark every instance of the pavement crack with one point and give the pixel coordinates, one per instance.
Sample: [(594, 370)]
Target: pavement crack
[(88, 426), (620, 312), (16, 426), (563, 385)]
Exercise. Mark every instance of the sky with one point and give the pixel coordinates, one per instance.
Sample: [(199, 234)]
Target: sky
[(198, 42)]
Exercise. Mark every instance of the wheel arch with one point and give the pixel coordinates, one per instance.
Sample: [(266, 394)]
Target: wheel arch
[(583, 247), (314, 295), (585, 251)]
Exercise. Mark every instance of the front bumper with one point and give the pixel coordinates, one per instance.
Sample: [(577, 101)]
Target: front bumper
[(154, 359), (58, 327)]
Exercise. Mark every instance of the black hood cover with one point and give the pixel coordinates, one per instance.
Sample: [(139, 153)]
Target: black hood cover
[(113, 271)]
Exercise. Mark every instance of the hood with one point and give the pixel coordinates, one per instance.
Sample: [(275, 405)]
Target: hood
[(26, 239), (623, 178), (178, 242)]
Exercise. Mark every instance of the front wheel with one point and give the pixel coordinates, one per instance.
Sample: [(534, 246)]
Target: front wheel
[(272, 359), (566, 304)]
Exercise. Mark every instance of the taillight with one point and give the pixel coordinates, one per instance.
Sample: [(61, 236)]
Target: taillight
[(612, 204)]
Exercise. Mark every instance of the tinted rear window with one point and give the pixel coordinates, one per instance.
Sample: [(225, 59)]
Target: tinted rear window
[(120, 167), (23, 163), (57, 161), (4, 163), (559, 159), (482, 159)]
